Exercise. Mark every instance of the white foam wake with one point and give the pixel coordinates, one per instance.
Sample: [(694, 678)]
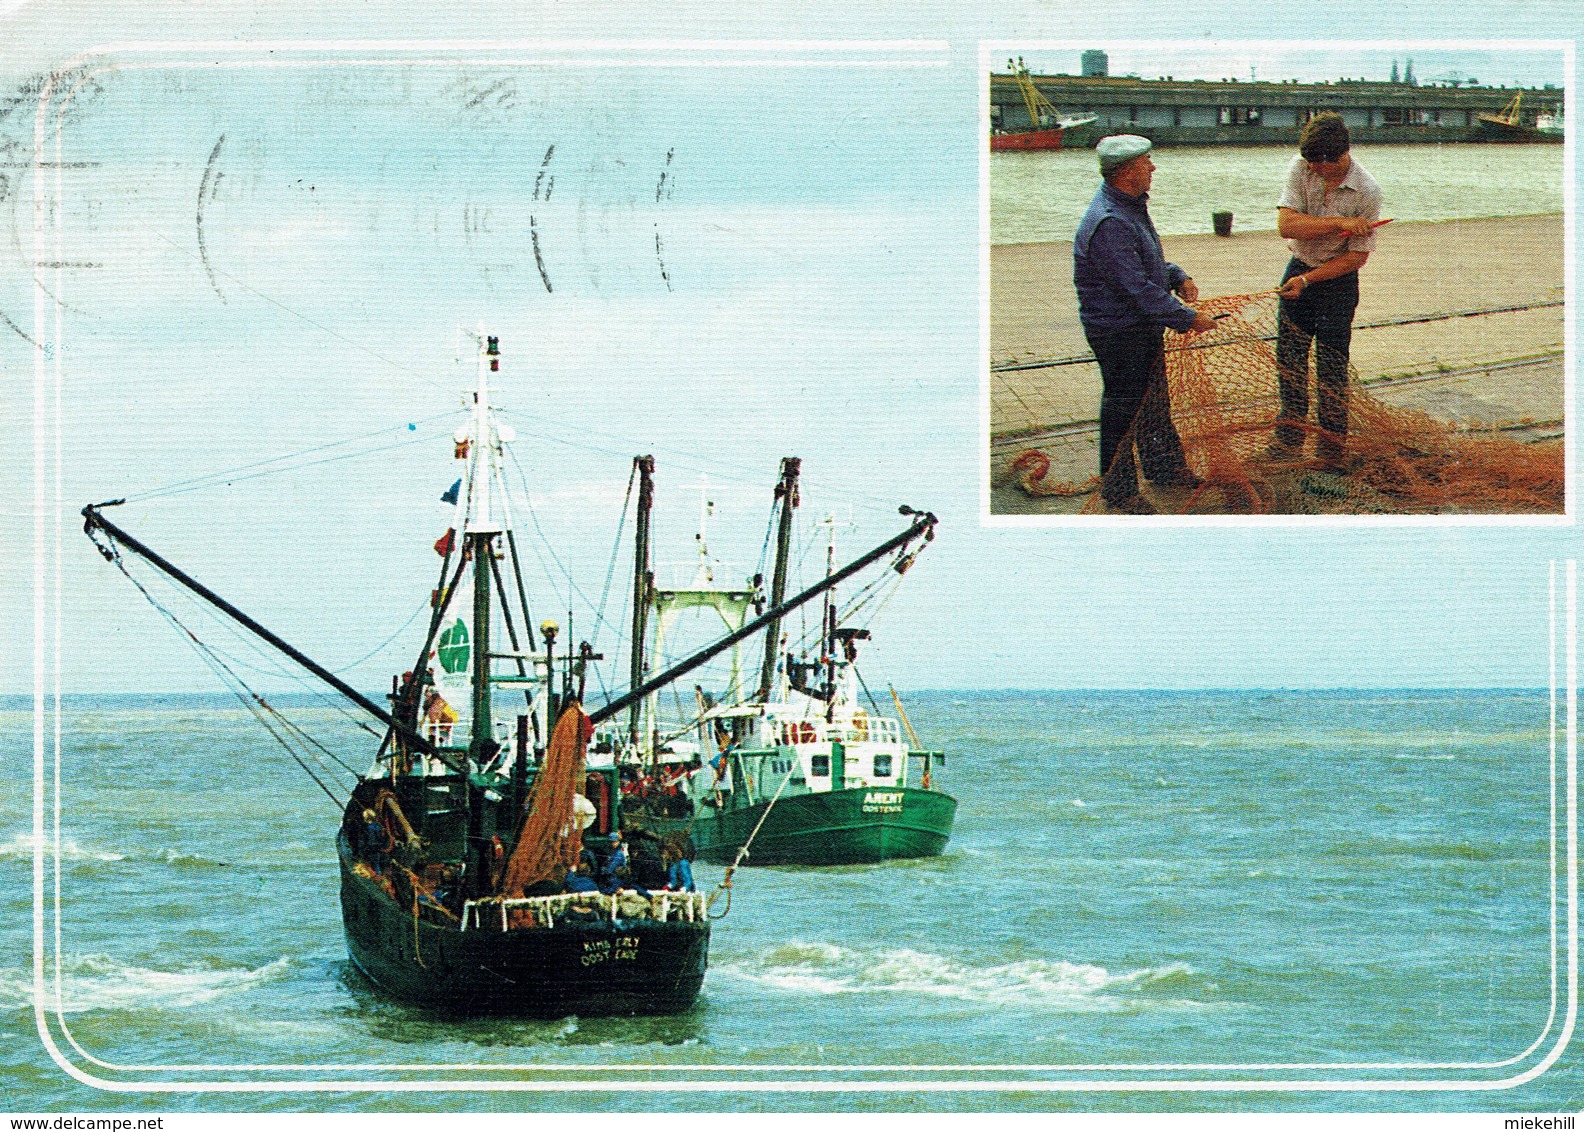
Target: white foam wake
[(100, 982), (22, 845), (1052, 984)]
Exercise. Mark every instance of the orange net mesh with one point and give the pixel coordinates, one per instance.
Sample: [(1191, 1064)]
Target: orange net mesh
[(1224, 400), (551, 840)]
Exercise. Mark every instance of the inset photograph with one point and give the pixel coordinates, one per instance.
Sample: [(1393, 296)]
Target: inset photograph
[(1277, 279)]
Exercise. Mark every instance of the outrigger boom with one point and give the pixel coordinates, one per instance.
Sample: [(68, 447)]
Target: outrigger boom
[(92, 519), (923, 525), (465, 874)]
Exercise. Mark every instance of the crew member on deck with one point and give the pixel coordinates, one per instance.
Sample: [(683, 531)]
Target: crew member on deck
[(440, 717), (648, 871), (613, 873), (579, 880), (679, 873), (377, 841)]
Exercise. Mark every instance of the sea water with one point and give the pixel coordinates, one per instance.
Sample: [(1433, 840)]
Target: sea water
[(1275, 877), (1036, 197)]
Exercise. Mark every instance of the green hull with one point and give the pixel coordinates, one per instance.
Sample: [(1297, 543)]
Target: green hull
[(841, 827)]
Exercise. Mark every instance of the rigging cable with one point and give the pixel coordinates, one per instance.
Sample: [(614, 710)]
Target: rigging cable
[(550, 422), (298, 314), (534, 515), (610, 570), (332, 702), (232, 475), (276, 669), (770, 526), (252, 700), (386, 643), (726, 880), (689, 461), (865, 686)]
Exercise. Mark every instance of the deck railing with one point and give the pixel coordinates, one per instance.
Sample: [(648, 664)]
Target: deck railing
[(863, 729), (627, 904)]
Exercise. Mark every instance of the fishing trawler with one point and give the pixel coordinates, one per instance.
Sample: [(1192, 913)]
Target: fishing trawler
[(799, 772), (1047, 128), (465, 850), (1509, 124)]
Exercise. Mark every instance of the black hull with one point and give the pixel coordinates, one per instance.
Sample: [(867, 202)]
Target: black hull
[(588, 969)]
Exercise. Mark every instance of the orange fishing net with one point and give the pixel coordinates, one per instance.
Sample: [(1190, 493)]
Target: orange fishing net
[(550, 837), (1224, 401)]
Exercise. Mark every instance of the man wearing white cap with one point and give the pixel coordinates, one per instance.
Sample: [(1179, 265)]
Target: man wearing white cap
[(1127, 295)]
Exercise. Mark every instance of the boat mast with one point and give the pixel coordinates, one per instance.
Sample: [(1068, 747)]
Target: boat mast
[(480, 540), (643, 584), (923, 525), (828, 630), (1040, 111), (786, 495)]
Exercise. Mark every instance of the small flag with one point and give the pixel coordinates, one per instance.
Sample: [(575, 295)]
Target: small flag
[(444, 543), (451, 496)]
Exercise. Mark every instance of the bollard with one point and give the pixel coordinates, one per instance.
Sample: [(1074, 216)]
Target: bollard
[(1222, 222)]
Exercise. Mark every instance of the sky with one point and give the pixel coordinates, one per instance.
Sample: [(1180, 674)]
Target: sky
[(737, 262)]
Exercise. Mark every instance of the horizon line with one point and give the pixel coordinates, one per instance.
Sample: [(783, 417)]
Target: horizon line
[(221, 693)]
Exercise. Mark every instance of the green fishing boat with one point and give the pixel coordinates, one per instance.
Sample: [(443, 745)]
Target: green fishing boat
[(467, 851), (801, 772)]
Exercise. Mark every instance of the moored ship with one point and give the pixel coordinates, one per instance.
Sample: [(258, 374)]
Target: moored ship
[(1047, 128)]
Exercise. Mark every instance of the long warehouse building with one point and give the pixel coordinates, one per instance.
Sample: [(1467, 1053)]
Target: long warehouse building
[(1229, 112)]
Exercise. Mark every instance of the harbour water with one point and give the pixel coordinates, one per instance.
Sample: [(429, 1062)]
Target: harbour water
[(1036, 197), (1228, 877)]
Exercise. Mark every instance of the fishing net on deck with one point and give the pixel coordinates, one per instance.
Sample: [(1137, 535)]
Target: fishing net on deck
[(551, 838), (1224, 402)]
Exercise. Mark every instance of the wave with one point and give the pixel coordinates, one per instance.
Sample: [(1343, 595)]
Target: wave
[(1041, 984), (101, 982), (22, 845), (181, 860)]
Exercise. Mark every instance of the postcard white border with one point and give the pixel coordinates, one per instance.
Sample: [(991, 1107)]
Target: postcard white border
[(48, 549)]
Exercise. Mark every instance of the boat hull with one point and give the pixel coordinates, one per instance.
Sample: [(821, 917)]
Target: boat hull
[(1497, 129), (1028, 139), (839, 827), (585, 968)]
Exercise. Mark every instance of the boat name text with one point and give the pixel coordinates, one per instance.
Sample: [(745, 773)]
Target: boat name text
[(622, 949), (883, 802)]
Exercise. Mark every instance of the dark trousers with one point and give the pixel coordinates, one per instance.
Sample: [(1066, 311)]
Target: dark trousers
[(1133, 372), (1323, 314)]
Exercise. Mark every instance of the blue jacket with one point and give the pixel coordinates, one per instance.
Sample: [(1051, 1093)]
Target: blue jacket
[(377, 839), (1122, 276), (609, 880), (680, 876)]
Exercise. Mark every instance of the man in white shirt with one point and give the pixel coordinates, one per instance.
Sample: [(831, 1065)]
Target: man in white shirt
[(1327, 214)]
